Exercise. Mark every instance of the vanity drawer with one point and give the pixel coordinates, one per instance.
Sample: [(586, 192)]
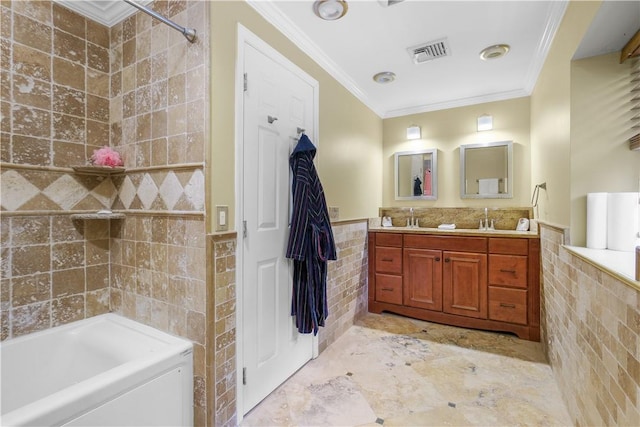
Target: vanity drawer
[(446, 243), (508, 305), (389, 239), (508, 246), (388, 260), (389, 289), (508, 270)]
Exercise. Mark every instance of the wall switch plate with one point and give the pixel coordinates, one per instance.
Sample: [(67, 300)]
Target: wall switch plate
[(222, 218)]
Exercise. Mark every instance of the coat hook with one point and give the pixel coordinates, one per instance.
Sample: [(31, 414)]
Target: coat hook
[(271, 119), (300, 130)]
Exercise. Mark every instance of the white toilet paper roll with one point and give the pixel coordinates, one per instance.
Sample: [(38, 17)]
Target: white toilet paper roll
[(622, 221), (597, 220)]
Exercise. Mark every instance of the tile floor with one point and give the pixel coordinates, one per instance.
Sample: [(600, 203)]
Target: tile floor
[(393, 371)]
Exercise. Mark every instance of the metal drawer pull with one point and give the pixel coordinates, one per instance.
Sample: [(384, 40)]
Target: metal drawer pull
[(447, 259), (502, 270), (388, 289), (505, 305), (387, 259), (437, 258)]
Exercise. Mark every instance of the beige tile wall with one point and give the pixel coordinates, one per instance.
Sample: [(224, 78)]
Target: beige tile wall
[(347, 290), (54, 82), (221, 320), (46, 261), (591, 333)]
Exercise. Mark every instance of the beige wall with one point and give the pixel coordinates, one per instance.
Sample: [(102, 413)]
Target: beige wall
[(600, 132), (446, 130), (349, 157), (551, 116)]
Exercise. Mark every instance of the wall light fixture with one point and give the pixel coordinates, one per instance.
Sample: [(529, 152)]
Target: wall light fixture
[(485, 122), (413, 132)]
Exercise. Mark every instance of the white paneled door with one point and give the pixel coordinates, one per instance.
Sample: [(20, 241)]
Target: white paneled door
[(276, 102)]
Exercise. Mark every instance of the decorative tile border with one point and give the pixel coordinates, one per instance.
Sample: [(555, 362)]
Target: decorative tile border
[(27, 190), (24, 189)]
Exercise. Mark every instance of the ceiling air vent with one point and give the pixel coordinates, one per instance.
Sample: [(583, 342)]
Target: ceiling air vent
[(428, 51)]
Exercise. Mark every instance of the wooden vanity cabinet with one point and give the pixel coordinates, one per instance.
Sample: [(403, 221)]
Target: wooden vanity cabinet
[(477, 282), (388, 269)]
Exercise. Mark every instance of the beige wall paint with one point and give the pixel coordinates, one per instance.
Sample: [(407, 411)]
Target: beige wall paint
[(600, 132), (350, 134), (551, 116), (446, 130)]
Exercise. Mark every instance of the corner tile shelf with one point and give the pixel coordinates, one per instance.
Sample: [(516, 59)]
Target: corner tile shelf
[(96, 215), (98, 170)]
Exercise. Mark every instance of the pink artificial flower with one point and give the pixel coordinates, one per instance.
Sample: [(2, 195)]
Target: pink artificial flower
[(105, 156)]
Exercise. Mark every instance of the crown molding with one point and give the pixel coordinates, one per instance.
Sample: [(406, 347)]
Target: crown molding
[(105, 12), (462, 102), (554, 19)]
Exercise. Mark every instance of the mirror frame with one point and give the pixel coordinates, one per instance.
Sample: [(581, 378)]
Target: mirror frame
[(434, 174), (509, 191)]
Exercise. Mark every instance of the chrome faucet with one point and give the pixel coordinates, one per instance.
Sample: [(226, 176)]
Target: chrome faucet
[(486, 225), (412, 222)]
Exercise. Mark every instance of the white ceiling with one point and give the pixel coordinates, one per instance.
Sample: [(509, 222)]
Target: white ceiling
[(372, 38)]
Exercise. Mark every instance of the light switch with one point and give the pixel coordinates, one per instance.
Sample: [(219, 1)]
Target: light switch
[(222, 218)]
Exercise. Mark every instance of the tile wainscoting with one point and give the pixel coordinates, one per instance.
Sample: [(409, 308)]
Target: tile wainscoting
[(590, 330)]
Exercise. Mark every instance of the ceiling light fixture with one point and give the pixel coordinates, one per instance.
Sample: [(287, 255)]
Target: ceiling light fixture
[(330, 10), (494, 52), (384, 77)]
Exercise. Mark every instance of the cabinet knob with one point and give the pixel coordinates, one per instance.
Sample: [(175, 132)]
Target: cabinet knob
[(447, 259), (437, 258)]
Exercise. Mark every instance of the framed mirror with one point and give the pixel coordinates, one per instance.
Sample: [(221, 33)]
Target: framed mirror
[(416, 175), (486, 170)]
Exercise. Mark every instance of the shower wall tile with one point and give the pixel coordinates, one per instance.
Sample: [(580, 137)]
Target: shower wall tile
[(46, 263), (32, 33), (50, 103)]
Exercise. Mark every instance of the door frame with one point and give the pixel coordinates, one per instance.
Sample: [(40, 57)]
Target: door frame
[(246, 37)]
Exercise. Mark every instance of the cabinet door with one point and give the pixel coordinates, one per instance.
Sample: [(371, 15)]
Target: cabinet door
[(423, 279), (464, 284)]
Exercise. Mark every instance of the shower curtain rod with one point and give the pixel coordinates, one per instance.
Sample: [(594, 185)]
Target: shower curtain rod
[(188, 33)]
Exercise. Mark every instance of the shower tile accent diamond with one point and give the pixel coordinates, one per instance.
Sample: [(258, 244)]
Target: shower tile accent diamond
[(141, 191)]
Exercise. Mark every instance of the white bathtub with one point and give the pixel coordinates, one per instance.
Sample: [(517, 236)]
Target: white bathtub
[(106, 370)]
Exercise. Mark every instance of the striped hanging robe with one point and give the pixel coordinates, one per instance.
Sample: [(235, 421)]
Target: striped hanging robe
[(311, 241)]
